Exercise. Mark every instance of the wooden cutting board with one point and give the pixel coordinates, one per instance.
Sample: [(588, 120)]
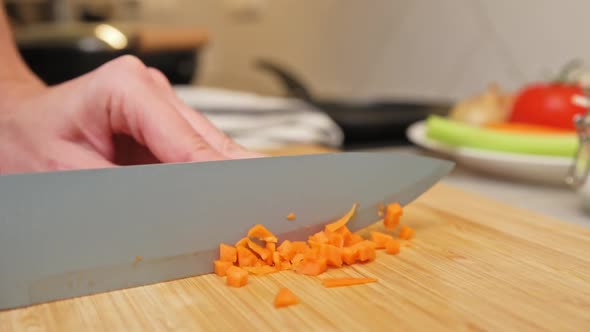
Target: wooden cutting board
[(475, 265)]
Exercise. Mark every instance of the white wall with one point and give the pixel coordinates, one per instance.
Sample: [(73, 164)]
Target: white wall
[(405, 48)]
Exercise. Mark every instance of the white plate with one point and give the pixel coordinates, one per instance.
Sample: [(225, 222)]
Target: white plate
[(531, 168)]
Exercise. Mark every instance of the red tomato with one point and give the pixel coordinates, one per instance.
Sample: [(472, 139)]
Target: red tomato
[(547, 104)]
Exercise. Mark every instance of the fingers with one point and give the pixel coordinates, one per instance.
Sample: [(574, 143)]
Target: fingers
[(69, 156), (125, 94), (216, 138)]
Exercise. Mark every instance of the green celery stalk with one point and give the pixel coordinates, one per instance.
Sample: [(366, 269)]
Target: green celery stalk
[(460, 134)]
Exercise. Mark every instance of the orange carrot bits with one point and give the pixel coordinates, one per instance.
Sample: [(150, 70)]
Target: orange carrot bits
[(285, 298), (392, 247), (393, 213), (380, 239), (353, 239), (260, 232), (276, 259), (246, 257), (243, 242), (319, 238), (291, 216), (227, 253), (300, 247), (366, 251), (406, 233), (332, 254), (340, 282), (297, 259), (342, 221), (344, 231), (285, 265), (350, 255), (259, 250), (221, 267), (313, 253), (336, 239), (236, 277), (271, 246), (286, 250), (312, 267), (260, 270)]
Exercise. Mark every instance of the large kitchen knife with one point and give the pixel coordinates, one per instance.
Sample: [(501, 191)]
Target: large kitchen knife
[(67, 234)]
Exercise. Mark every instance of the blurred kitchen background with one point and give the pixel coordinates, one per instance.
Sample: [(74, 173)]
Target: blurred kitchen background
[(334, 74)]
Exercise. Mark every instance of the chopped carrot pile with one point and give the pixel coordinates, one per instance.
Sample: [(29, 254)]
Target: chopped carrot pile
[(285, 298), (393, 212), (260, 232), (339, 282), (236, 277), (221, 267), (259, 253), (227, 253), (392, 247), (380, 239), (291, 216), (406, 232)]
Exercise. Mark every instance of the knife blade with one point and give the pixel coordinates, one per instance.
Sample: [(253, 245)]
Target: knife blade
[(73, 233)]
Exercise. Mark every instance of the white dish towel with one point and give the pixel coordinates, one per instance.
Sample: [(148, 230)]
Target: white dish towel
[(260, 122)]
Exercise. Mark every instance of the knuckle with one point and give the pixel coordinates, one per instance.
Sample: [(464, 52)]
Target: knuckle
[(199, 147), (124, 68)]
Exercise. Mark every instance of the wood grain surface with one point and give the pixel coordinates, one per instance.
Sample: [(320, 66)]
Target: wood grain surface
[(474, 265)]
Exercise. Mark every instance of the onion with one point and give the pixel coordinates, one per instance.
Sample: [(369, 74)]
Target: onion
[(490, 107)]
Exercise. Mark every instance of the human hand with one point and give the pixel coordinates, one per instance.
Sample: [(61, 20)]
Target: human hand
[(123, 113)]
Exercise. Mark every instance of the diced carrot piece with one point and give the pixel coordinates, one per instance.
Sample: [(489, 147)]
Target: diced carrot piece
[(271, 246), (392, 247), (350, 255), (354, 239), (380, 209), (243, 242), (236, 277), (342, 221), (339, 282), (406, 233), (260, 232), (285, 298), (261, 270), (312, 267), (313, 253), (259, 250), (336, 239), (344, 231), (246, 257), (300, 247), (286, 250), (380, 239), (332, 254), (276, 259), (393, 212), (227, 253), (318, 238), (297, 259), (285, 265), (221, 267), (259, 263), (366, 251), (291, 216)]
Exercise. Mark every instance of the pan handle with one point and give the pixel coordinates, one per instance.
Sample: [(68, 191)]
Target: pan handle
[(292, 84)]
